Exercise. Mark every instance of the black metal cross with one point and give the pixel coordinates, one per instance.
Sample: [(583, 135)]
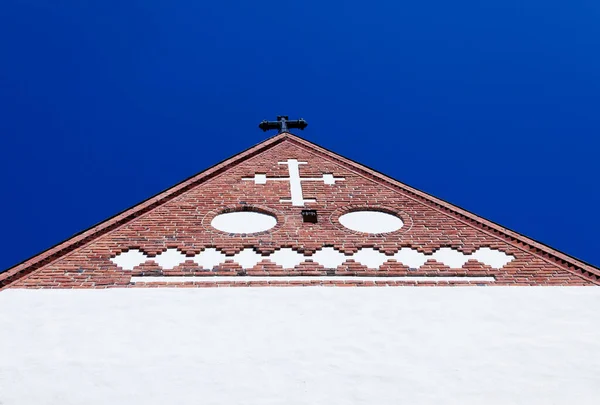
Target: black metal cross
[(283, 124)]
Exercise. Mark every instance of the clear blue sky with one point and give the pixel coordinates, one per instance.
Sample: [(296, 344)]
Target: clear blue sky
[(491, 105)]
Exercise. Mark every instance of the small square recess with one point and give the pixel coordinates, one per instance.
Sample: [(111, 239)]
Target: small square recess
[(309, 216)]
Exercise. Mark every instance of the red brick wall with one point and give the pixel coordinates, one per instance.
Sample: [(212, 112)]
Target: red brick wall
[(184, 223)]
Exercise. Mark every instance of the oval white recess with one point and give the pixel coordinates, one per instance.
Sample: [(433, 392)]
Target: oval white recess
[(243, 222), (371, 221)]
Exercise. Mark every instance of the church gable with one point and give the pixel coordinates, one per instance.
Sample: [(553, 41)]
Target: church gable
[(287, 212)]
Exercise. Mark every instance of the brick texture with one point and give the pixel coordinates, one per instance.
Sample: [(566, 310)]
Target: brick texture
[(180, 218)]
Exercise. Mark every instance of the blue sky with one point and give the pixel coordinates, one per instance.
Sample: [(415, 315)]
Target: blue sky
[(491, 105)]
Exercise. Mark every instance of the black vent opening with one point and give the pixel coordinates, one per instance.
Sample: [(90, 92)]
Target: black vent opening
[(309, 216)]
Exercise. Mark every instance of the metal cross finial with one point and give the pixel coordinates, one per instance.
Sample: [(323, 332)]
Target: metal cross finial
[(283, 124)]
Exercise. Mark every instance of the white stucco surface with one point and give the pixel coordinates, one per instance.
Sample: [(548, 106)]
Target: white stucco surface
[(371, 221), (243, 222), (216, 279), (317, 346)]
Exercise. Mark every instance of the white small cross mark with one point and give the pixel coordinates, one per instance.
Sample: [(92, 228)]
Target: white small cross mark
[(297, 199)]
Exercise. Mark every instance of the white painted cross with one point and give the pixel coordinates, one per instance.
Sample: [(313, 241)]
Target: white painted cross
[(297, 199)]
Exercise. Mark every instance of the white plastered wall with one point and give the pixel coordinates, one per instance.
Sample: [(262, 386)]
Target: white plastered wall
[(317, 346)]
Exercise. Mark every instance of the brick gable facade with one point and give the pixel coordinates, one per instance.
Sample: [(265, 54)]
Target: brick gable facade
[(179, 220)]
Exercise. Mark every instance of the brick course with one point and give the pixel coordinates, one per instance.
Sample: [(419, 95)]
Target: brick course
[(180, 218)]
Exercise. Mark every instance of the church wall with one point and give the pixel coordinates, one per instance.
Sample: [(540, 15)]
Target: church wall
[(319, 346)]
